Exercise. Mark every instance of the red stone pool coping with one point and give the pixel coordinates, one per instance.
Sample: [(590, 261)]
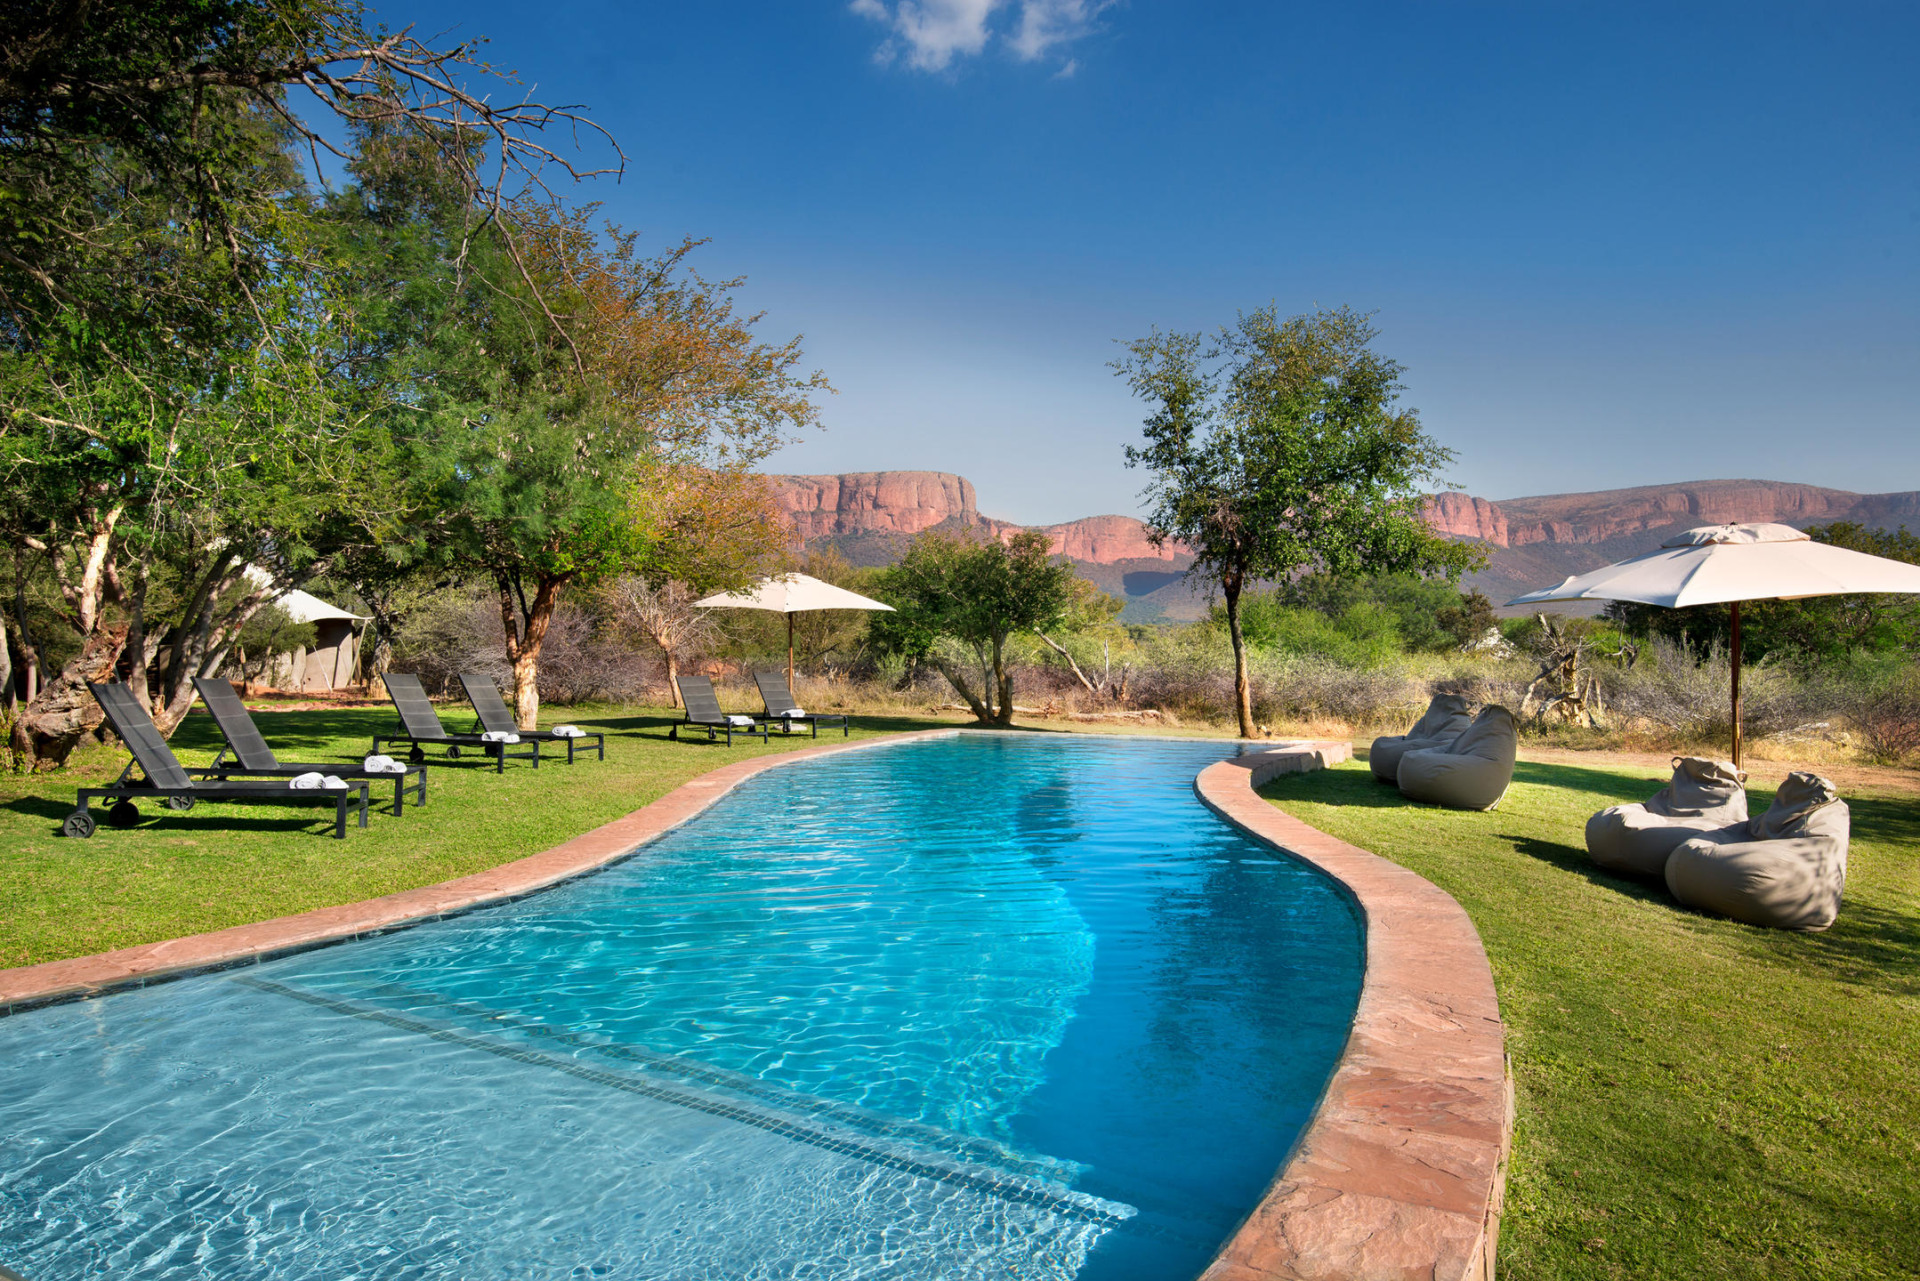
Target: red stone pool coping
[(1400, 1173), (1402, 1170)]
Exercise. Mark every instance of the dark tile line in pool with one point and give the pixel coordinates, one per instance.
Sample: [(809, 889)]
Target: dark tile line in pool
[(1402, 1169), (29, 987), (1063, 1201), (965, 1147)]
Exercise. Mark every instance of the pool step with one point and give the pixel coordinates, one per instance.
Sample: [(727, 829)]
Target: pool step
[(812, 1126)]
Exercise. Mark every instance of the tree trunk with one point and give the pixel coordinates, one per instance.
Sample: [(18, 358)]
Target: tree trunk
[(47, 729), (7, 700), (956, 679), (1004, 679), (526, 633), (1242, 691), (673, 676)]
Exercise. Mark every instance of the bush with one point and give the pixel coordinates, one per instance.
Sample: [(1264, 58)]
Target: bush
[(1693, 699), (1886, 717), (580, 661)]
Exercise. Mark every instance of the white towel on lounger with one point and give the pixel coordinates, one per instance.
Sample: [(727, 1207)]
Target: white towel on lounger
[(382, 765), (315, 781), (795, 713), (740, 722), (568, 731), (499, 736)]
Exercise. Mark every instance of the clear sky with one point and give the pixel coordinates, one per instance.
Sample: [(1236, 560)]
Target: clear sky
[(1613, 244)]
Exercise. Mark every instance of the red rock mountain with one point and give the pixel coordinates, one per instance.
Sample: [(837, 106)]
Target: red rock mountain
[(1530, 542)]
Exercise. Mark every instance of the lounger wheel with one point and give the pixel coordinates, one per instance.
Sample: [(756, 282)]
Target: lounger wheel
[(180, 804), (79, 823), (124, 814), (418, 754), (453, 753)]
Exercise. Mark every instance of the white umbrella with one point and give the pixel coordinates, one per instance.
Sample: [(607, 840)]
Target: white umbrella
[(792, 594), (1732, 563)]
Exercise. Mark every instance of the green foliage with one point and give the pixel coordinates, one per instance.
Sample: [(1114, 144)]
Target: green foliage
[(1818, 632), (975, 593), (1466, 621), (1282, 447), (1363, 634), (1418, 606)]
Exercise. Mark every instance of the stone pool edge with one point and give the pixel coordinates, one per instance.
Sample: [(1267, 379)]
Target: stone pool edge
[(76, 978), (1402, 1171)]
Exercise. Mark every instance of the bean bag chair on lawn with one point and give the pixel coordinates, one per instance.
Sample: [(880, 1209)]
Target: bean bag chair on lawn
[(1446, 719), (1704, 796), (1785, 869), (1470, 773)]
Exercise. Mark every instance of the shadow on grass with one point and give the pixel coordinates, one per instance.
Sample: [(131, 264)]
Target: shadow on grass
[(153, 817)]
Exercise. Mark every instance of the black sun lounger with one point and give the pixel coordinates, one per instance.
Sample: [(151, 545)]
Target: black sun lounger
[(253, 758), (780, 706), (167, 780), (493, 714), (703, 712), (420, 724)]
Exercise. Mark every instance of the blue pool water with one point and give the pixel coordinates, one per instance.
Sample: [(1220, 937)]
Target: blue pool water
[(975, 1007)]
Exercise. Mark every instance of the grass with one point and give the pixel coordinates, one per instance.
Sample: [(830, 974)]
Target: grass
[(222, 865), (1697, 1097)]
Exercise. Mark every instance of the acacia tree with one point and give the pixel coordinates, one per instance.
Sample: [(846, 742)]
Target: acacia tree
[(583, 421), (974, 594), (1279, 446)]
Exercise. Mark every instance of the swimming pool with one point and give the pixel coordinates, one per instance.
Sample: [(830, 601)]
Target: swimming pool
[(982, 1006)]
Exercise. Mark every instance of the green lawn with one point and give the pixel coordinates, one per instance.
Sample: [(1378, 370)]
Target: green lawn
[(1697, 1098), (223, 865)]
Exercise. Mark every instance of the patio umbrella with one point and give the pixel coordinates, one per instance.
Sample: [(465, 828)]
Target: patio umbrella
[(1716, 564), (792, 594)]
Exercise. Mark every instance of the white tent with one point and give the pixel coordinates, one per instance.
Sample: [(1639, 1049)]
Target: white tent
[(1716, 564), (791, 594)]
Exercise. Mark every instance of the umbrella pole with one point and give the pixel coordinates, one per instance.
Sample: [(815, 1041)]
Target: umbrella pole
[(1736, 684), (790, 656)]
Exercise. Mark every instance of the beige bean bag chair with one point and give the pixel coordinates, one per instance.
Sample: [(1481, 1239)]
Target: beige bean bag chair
[(1470, 773), (1704, 796), (1445, 720), (1785, 869)]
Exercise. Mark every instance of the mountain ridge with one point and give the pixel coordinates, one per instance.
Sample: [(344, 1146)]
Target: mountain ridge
[(1531, 541)]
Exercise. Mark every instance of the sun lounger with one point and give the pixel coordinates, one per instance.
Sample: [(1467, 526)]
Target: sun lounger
[(703, 712), (166, 780), (494, 716), (253, 758), (784, 712), (420, 724)]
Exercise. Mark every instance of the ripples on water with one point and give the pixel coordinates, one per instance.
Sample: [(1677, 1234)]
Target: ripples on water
[(973, 1007)]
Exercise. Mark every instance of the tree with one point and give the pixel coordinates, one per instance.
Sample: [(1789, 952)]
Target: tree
[(1468, 621), (1280, 447), (975, 594)]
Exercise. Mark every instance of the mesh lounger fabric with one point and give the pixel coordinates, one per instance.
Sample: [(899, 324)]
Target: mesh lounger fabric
[(1786, 869), (1704, 796), (1470, 773), (1446, 719)]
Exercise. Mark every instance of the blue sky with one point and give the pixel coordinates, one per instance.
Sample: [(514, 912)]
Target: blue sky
[(1612, 244)]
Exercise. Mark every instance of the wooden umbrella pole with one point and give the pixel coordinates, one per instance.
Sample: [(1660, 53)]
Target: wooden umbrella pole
[(1736, 684), (790, 658)]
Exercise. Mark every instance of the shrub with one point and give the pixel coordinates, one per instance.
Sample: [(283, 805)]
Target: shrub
[(1886, 717), (1667, 687)]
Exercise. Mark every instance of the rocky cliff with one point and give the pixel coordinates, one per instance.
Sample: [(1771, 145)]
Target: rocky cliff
[(1531, 542)]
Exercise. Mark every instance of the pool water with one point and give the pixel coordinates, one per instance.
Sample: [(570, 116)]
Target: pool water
[(984, 1006)]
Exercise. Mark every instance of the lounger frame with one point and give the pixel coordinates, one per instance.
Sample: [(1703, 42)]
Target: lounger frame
[(491, 713), (779, 702), (419, 726), (165, 779), (702, 711), (254, 758)]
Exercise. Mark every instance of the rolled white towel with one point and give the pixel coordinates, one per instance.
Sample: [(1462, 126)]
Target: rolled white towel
[(382, 765), (568, 731), (740, 722), (499, 736), (795, 713), (315, 781)]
